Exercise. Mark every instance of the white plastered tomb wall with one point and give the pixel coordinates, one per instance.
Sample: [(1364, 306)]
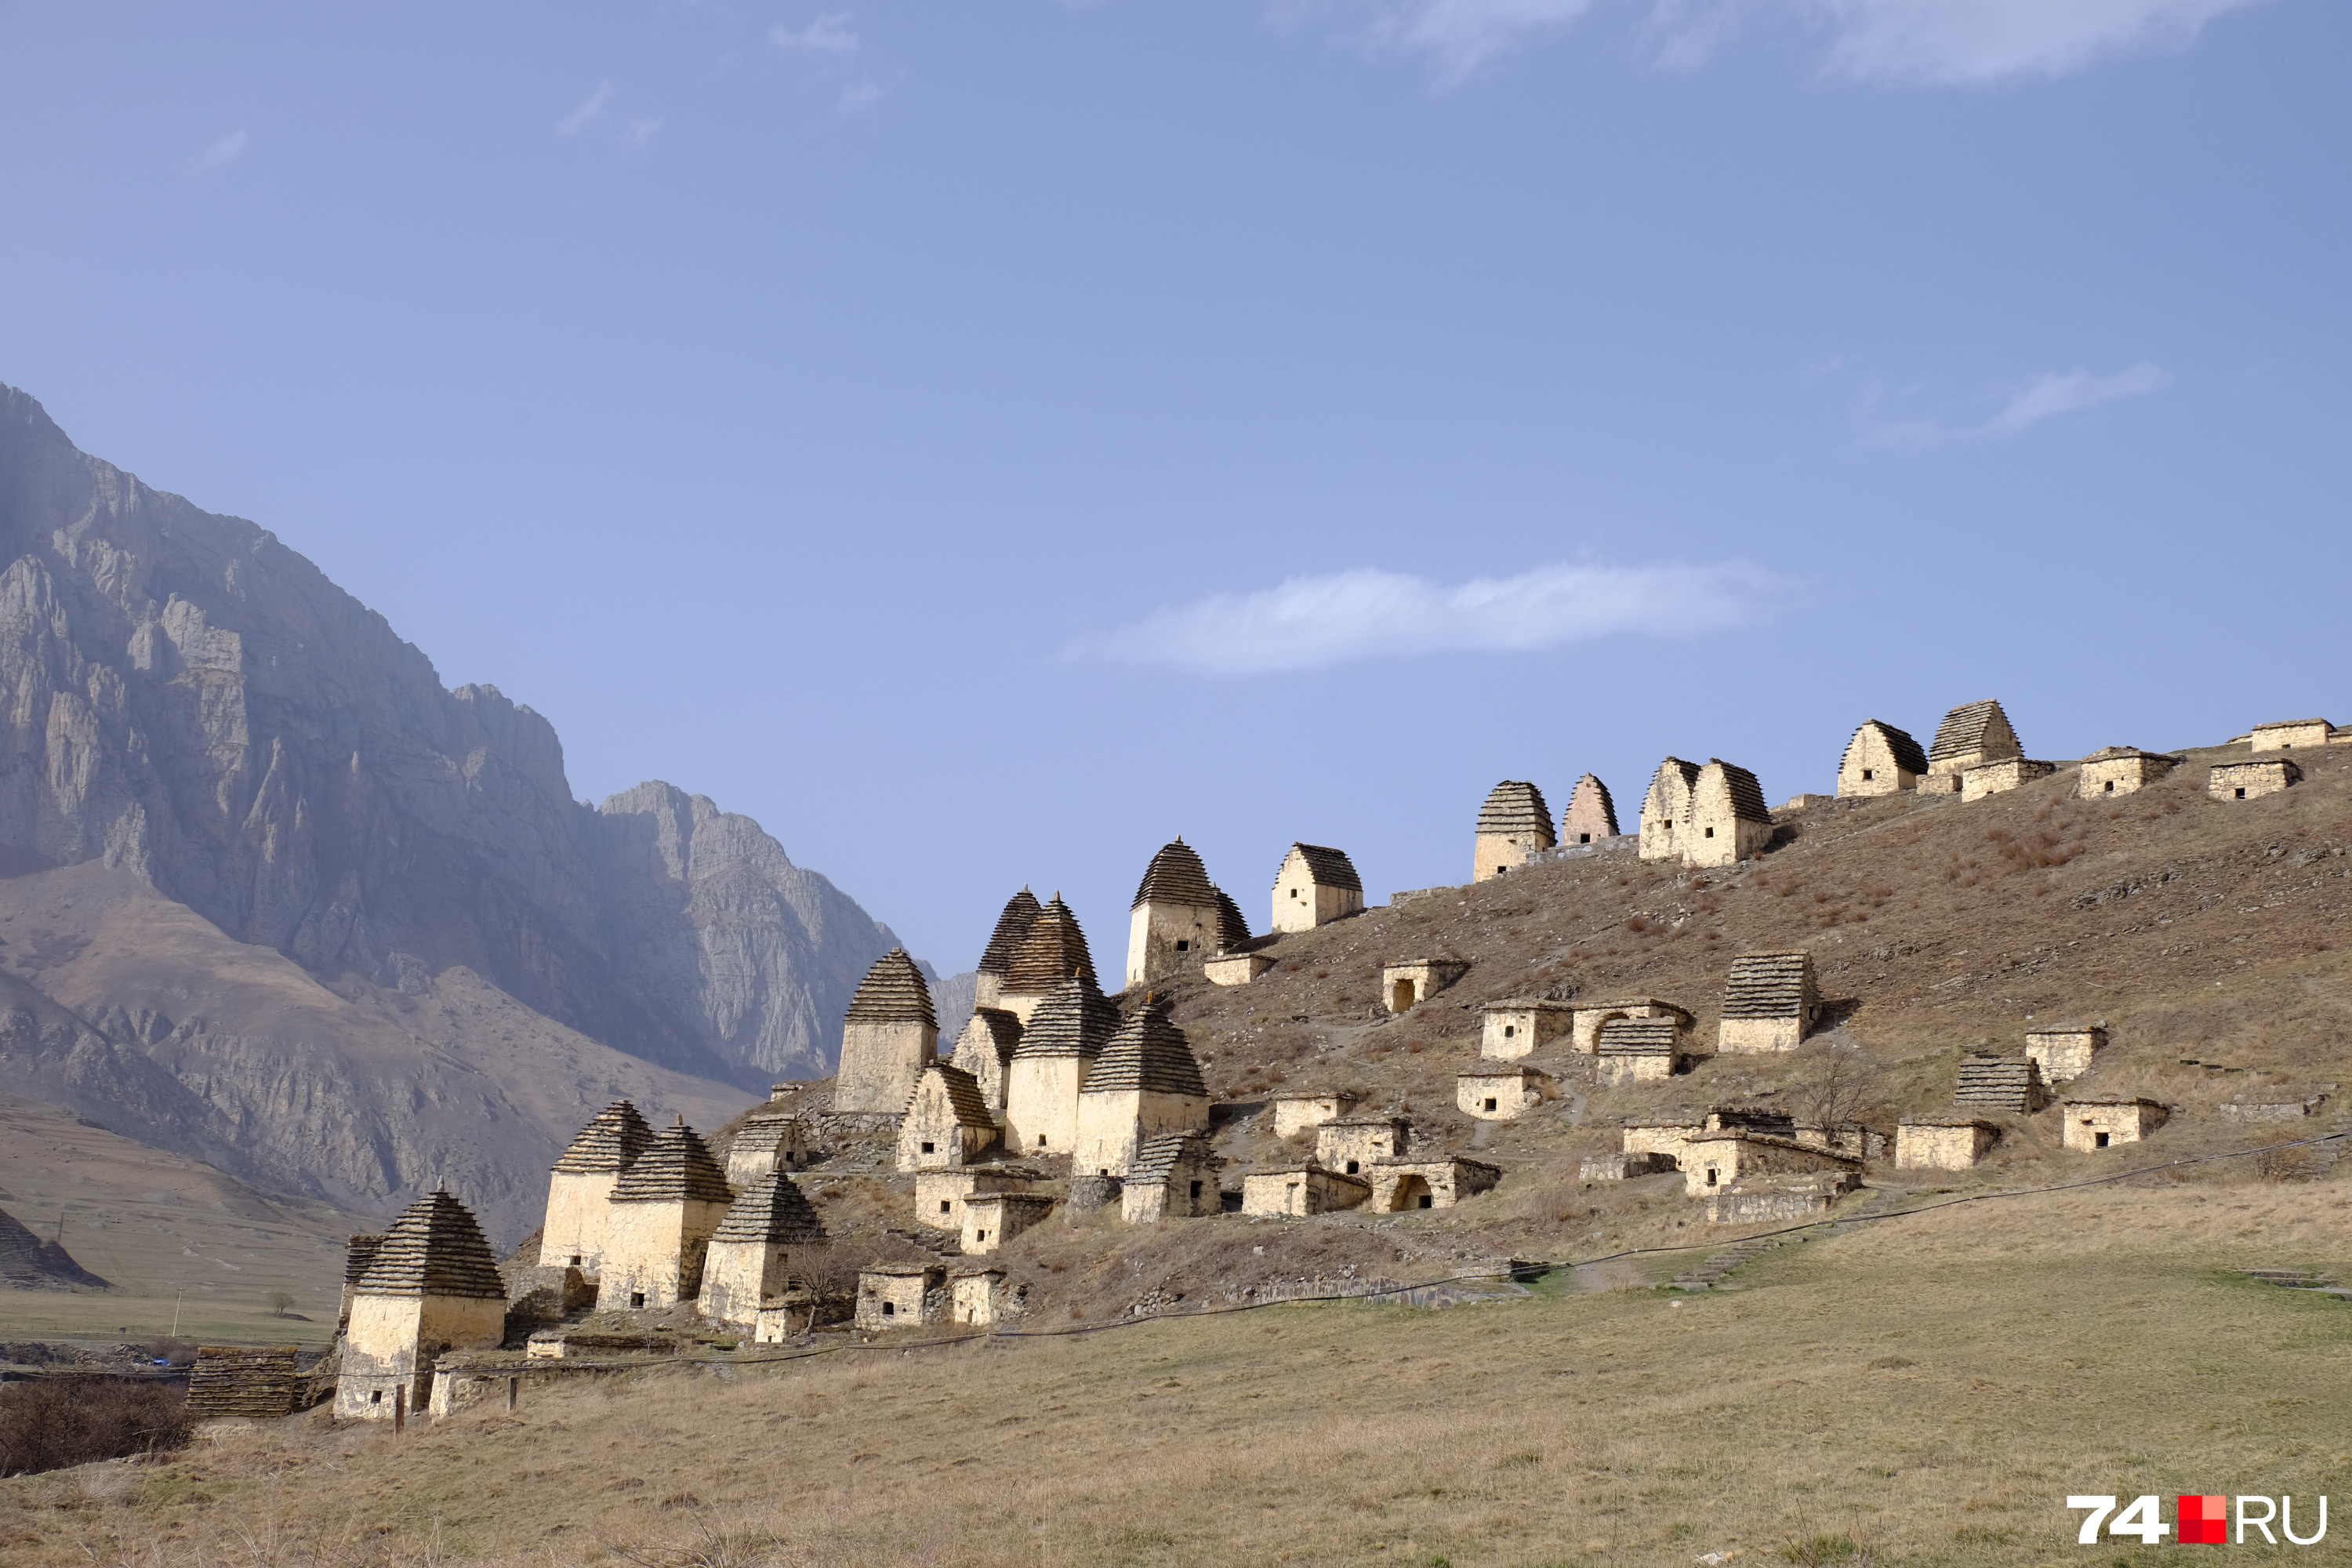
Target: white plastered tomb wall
[(391, 1343), (880, 1064), (654, 1253)]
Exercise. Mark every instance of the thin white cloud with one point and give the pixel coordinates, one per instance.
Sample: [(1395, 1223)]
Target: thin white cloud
[(828, 37), (640, 130), (1948, 43), (2046, 396), (1307, 623), (224, 152), (1941, 43), (591, 110)]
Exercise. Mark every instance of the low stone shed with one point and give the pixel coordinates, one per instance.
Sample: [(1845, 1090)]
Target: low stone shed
[(1585, 1032), (1880, 760), (992, 1219), (2252, 781), (1408, 983), (1350, 1145), (1297, 1112), (1521, 1027), (2100, 1123), (1300, 1190), (899, 1296), (2064, 1053), (1639, 1051), (2121, 770), (1714, 1160), (2000, 777), (2291, 735), (1771, 1001), (1503, 1094), (1942, 1142), (1403, 1185)]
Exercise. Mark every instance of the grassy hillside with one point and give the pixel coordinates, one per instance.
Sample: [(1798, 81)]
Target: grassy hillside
[(1926, 1390)]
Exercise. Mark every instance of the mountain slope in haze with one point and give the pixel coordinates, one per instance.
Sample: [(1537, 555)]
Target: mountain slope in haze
[(185, 701)]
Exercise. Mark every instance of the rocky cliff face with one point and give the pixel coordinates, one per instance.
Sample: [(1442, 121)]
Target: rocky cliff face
[(185, 699)]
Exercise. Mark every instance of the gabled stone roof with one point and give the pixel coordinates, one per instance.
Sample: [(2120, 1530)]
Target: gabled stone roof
[(675, 1167), (1020, 914), (1075, 1020), (764, 1135), (1900, 744), (1232, 929), (1963, 729), (1149, 1054), (1640, 1037), (965, 1101), (1516, 806), (1590, 801), (2118, 754), (1053, 951), (1176, 877), (435, 1248), (1157, 1158), (1769, 985), (1328, 868), (256, 1381), (1003, 1029), (612, 1142), (772, 1208), (893, 992), (1688, 772), (1747, 795)]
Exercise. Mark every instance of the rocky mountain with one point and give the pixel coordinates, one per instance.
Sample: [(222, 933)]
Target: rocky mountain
[(192, 715)]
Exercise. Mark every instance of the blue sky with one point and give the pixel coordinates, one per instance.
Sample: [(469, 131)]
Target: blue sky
[(983, 440)]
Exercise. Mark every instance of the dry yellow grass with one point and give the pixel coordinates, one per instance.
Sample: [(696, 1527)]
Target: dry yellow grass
[(1929, 1389)]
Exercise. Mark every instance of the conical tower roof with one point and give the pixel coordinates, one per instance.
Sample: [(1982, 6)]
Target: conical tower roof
[(1020, 914), (1515, 806), (893, 992), (435, 1248), (1232, 931), (772, 1208), (1053, 951), (611, 1143), (1176, 877), (1148, 1053), (1075, 1019), (676, 1165)]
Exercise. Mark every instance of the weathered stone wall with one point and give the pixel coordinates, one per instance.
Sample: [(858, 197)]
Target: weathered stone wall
[(654, 1251), (1587, 1018), (1738, 1035), (2094, 1125), (1712, 1162), (389, 1349), (1162, 938), (1237, 968), (1613, 1068), (879, 1063), (1669, 1139), (1300, 903), (1350, 1146), (1110, 1124), (1942, 1146), (1502, 1095), (992, 1219), (1493, 854), (1718, 833), (893, 1300), (939, 1194), (978, 1298), (1666, 810), (2000, 777), (1870, 767), (1510, 1030), (2296, 734), (2127, 773), (2251, 781), (1297, 1115), (577, 1207), (1298, 1194), (2063, 1055), (1401, 1187), (737, 1275), (1040, 1104)]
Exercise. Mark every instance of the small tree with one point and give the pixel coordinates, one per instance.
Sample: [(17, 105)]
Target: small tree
[(282, 1302), (1841, 1085)]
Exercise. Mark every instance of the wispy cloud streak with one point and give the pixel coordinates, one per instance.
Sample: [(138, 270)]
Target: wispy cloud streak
[(1940, 43), (1308, 623), (224, 152), (591, 110), (2046, 396)]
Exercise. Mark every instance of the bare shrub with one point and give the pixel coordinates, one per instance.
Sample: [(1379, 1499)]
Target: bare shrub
[(49, 1423)]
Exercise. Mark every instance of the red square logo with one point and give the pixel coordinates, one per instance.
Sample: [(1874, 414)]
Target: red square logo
[(2204, 1520)]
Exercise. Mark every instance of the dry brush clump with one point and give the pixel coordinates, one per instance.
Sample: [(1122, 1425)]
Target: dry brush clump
[(50, 1423)]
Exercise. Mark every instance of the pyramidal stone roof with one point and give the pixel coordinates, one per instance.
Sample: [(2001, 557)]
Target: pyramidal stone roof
[(771, 1209), (676, 1166), (612, 1142), (1176, 877), (1075, 1020), (1900, 744), (1640, 1037), (1328, 868), (1965, 729), (1516, 806), (965, 1101), (893, 992), (1233, 929), (435, 1248), (1590, 802), (1149, 1054), (1157, 1158), (1747, 795), (1003, 1029), (1769, 985), (1020, 914), (1053, 951)]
